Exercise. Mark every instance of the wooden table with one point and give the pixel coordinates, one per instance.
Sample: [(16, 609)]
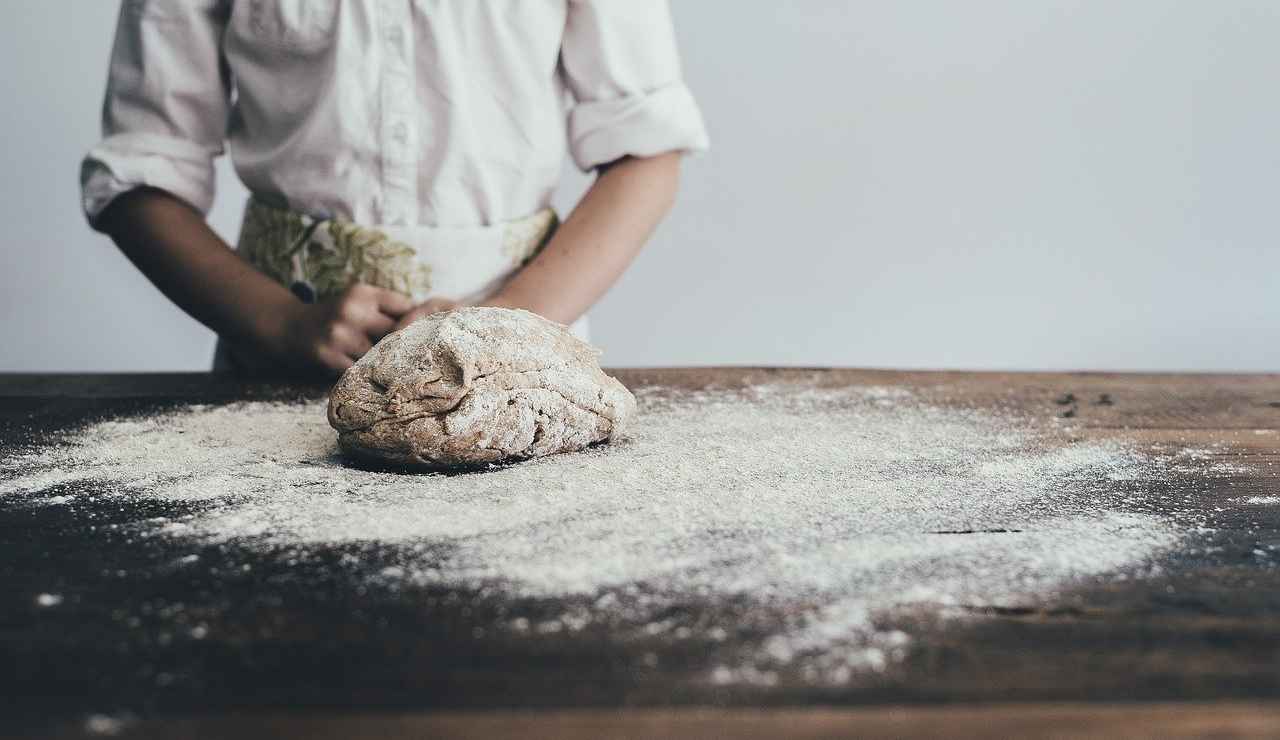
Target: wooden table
[(1193, 650)]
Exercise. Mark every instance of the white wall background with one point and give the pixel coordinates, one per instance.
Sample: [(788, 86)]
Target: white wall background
[(926, 183)]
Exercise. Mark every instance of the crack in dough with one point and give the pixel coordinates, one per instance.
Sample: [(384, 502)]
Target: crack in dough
[(473, 386)]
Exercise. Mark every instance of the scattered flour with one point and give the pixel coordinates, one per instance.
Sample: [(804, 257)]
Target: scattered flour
[(820, 508), (1262, 500), (102, 724)]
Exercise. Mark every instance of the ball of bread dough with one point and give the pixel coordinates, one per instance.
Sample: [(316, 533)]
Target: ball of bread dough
[(473, 386)]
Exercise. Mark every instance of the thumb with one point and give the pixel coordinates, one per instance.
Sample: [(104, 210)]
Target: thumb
[(392, 303)]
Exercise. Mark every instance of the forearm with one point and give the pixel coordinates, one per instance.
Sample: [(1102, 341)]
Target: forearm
[(599, 239), (173, 246)]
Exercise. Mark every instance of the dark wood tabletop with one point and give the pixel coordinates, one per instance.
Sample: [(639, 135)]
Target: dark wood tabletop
[(1192, 649)]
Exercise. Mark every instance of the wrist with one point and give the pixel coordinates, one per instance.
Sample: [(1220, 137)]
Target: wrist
[(500, 300), (274, 322), (545, 308)]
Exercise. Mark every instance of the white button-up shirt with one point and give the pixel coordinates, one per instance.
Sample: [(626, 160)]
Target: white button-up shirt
[(450, 113)]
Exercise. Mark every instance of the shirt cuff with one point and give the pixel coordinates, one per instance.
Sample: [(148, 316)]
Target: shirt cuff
[(663, 120), (128, 161)]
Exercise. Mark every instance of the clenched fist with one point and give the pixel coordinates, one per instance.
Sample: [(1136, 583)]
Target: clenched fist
[(330, 336)]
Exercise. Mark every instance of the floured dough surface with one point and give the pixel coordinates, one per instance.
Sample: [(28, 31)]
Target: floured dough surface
[(476, 385)]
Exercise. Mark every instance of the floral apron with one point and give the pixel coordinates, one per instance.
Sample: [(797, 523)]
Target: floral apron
[(317, 259)]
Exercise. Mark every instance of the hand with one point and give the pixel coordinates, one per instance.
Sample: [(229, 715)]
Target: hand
[(426, 308), (330, 336)]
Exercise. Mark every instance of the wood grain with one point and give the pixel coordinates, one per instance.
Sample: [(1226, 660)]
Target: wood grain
[(1206, 629), (1064, 721)]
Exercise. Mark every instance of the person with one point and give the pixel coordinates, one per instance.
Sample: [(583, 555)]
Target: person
[(400, 157)]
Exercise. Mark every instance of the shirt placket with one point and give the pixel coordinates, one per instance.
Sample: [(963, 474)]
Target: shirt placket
[(400, 129)]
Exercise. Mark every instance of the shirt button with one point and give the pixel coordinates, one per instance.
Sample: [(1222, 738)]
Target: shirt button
[(395, 35), (400, 133)]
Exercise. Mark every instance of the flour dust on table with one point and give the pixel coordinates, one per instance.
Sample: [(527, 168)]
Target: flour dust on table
[(794, 519)]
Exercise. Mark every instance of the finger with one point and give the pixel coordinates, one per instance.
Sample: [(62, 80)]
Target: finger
[(412, 316), (392, 303), (333, 361), (350, 341), (432, 306), (377, 325)]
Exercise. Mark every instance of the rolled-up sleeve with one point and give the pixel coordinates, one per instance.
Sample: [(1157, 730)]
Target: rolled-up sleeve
[(620, 63), (164, 118)]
